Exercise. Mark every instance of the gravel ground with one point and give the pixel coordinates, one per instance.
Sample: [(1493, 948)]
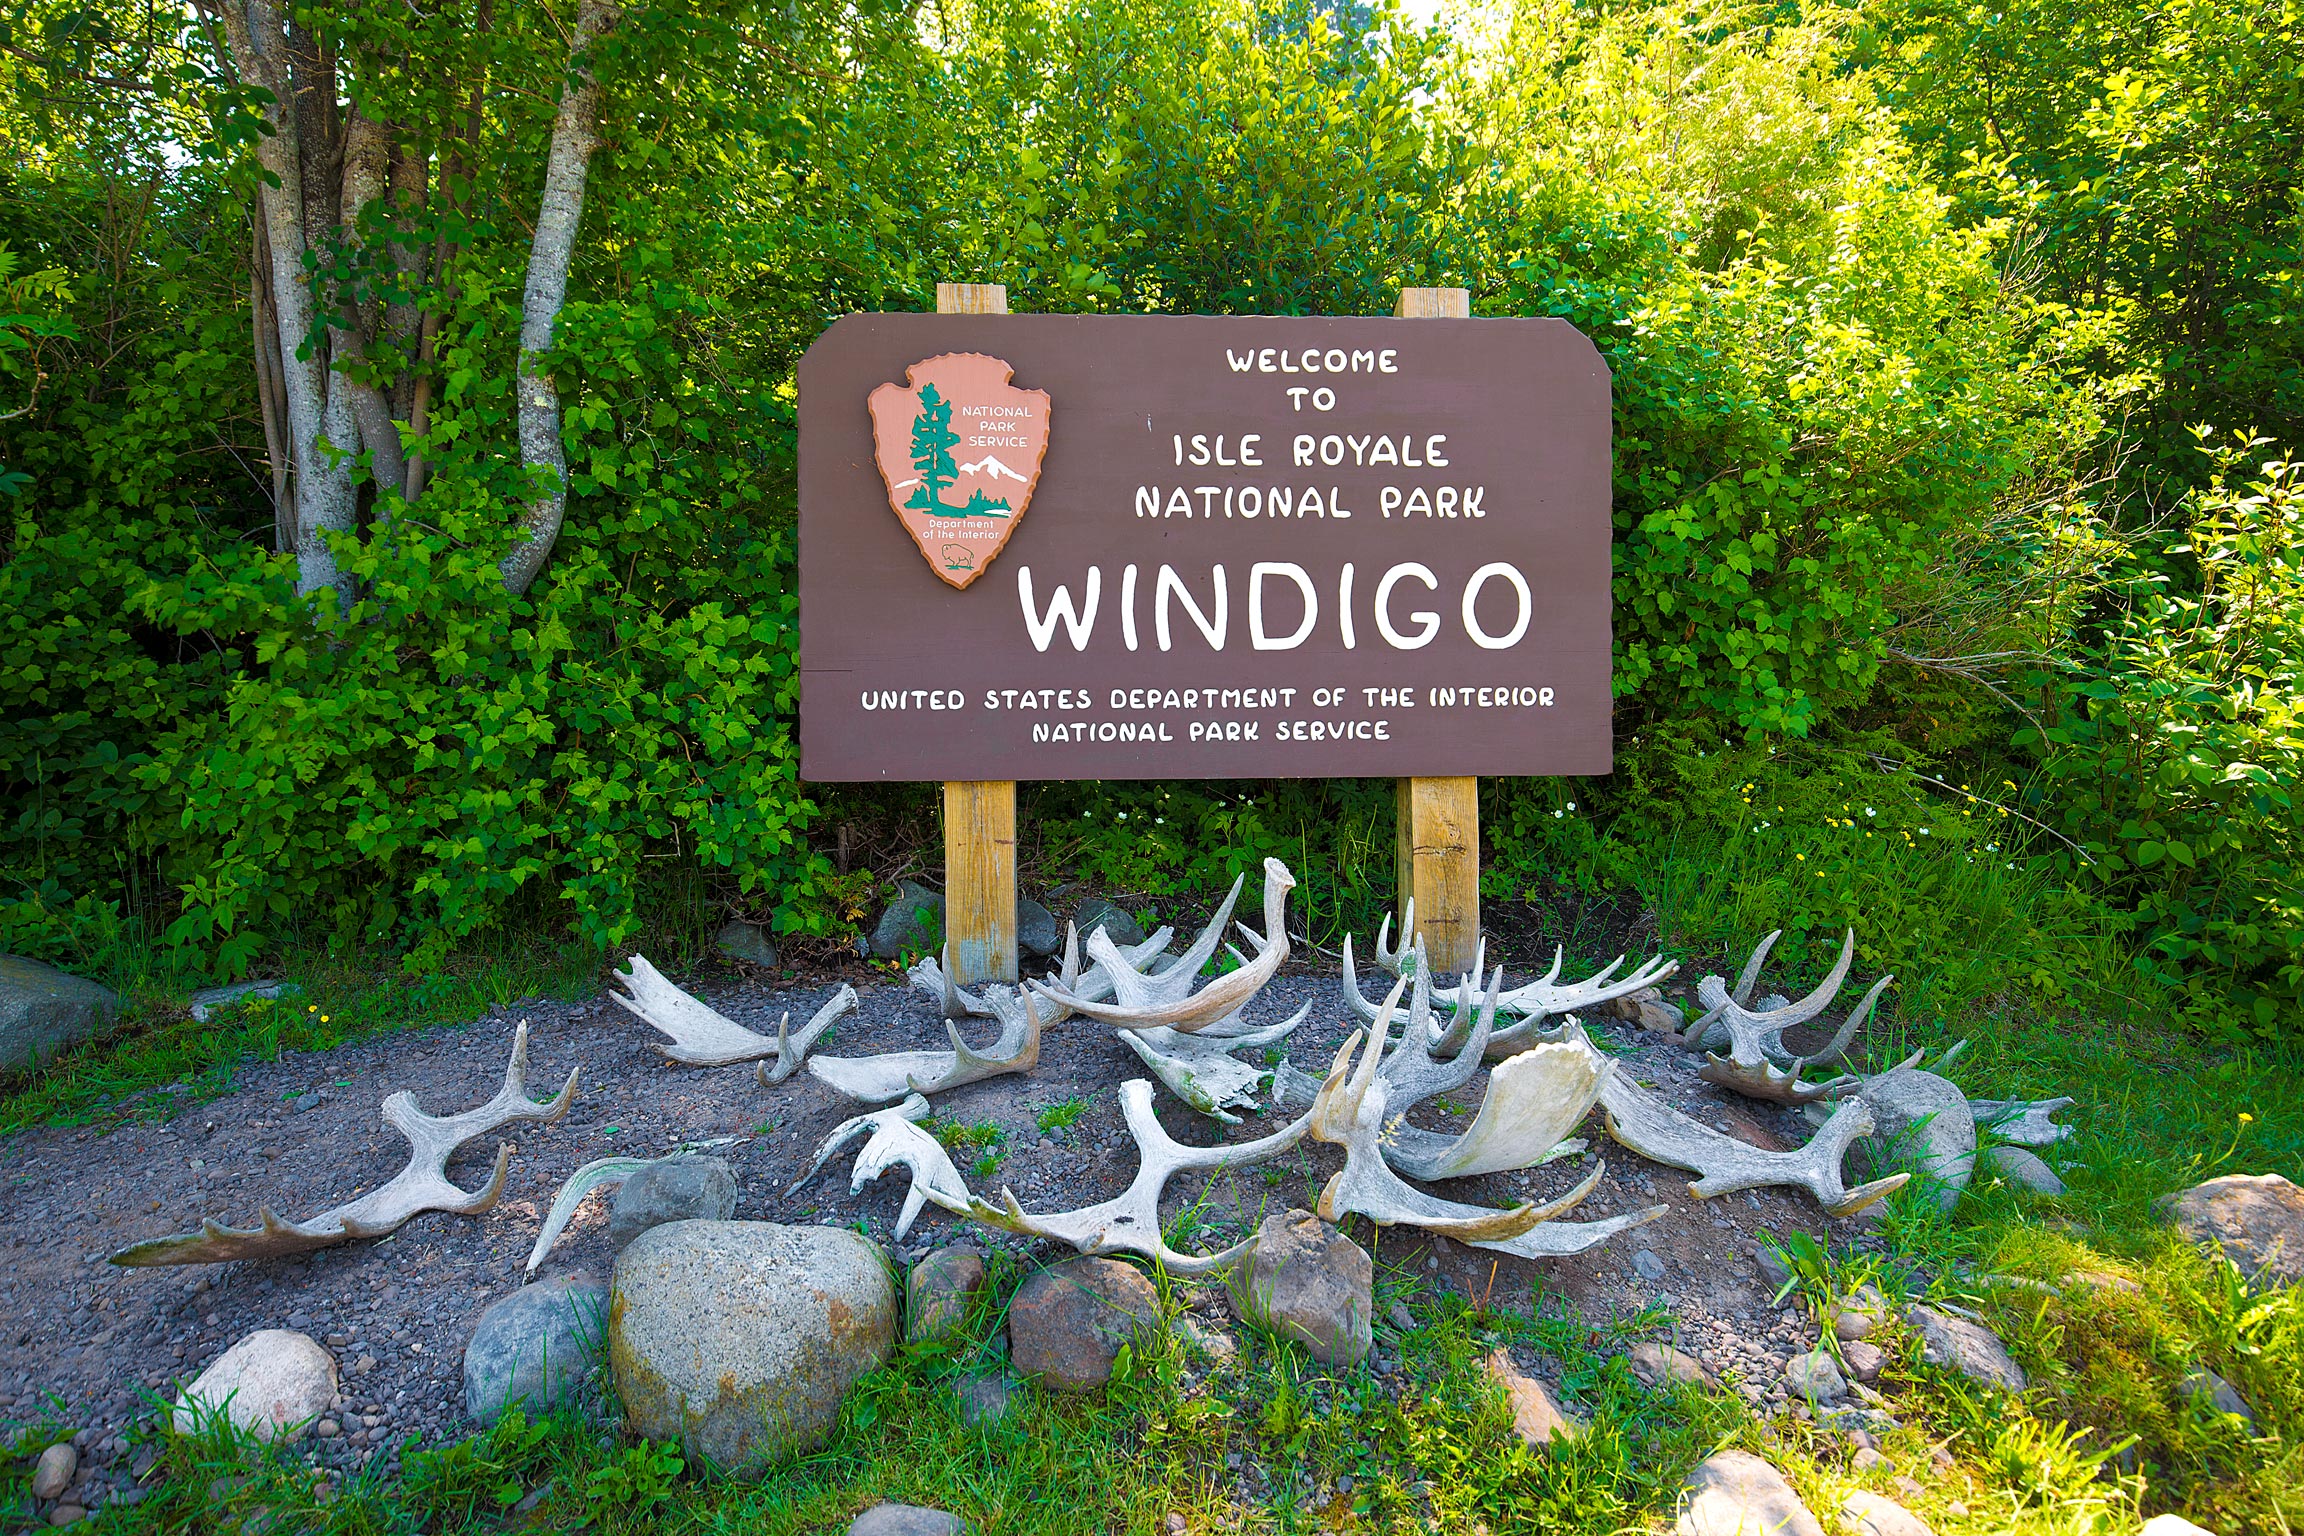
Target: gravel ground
[(88, 1344)]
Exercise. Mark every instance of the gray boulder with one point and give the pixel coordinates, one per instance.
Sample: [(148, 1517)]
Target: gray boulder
[(44, 1011), (1815, 1376), (1857, 1314), (906, 1520), (1735, 1493), (2259, 1220), (536, 1347), (1037, 933), (1972, 1349), (1306, 1281), (1660, 1365), (740, 1339), (2206, 1386), (210, 1001), (1865, 1360), (1066, 1324), (747, 941), (674, 1189), (913, 923), (272, 1384), (940, 1290), (1923, 1119), (1096, 912), (986, 1400), (2028, 1170)]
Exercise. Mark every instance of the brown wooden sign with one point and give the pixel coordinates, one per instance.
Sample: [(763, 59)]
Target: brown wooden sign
[(1260, 547)]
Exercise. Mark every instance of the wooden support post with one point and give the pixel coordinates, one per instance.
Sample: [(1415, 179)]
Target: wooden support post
[(1438, 836), (979, 816)]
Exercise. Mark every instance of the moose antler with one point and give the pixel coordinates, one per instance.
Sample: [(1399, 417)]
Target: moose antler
[(702, 1037), (1756, 1065), (896, 1140), (421, 1186), (1130, 1222), (1142, 1001), (881, 1079), (1200, 1070), (1662, 1134), (2022, 1120), (1533, 1100)]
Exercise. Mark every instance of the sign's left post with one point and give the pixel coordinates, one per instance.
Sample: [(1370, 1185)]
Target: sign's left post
[(979, 815)]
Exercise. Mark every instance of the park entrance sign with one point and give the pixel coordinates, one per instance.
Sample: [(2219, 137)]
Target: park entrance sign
[(1102, 546)]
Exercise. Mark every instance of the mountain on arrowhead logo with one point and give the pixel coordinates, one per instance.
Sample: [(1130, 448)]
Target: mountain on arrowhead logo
[(959, 448)]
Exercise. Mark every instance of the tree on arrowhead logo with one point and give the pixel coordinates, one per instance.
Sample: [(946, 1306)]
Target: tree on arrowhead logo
[(959, 448)]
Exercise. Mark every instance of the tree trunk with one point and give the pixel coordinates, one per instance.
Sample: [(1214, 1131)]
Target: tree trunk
[(322, 495), (271, 397), (575, 134), (366, 153)]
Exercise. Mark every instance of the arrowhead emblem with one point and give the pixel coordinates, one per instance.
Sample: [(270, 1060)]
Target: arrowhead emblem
[(959, 449)]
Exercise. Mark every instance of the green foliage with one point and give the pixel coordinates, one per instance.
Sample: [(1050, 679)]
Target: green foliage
[(2175, 751), (1061, 1116)]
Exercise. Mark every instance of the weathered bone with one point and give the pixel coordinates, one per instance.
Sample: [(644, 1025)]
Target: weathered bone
[(1662, 1134), (602, 1173), (421, 1186), (1200, 1069), (896, 1141), (702, 1037), (1130, 1222), (885, 1078), (2022, 1120), (1400, 959), (1410, 1068), (1150, 958), (1533, 1101), (935, 979), (1543, 998), (1350, 1113), (1142, 1002), (1755, 1065)]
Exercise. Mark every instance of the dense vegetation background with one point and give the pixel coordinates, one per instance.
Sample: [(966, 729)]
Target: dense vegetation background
[(1959, 354)]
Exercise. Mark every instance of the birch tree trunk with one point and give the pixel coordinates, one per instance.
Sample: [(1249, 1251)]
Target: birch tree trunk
[(575, 135), (366, 155)]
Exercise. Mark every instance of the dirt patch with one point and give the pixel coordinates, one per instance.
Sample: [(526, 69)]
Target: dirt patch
[(88, 1343)]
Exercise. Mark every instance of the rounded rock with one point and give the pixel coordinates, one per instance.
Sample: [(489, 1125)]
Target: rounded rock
[(740, 1339), (1735, 1493), (1872, 1514), (1972, 1349), (1067, 1324), (52, 1474), (1815, 1377), (940, 1290), (906, 1520), (671, 1189), (535, 1346), (2027, 1170), (1306, 1281), (2258, 1220), (1925, 1119), (271, 1384)]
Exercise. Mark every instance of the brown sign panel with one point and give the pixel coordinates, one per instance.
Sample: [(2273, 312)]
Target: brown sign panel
[(1260, 547)]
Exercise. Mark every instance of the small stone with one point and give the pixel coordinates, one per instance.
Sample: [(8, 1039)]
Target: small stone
[(1869, 1514), (1869, 1459), (536, 1345), (1096, 913), (1907, 1487), (985, 1400), (327, 1429), (2218, 1393), (747, 941), (1067, 1323), (2172, 1525), (1969, 1348), (52, 1474), (1864, 1360), (364, 1365), (1306, 1281), (1658, 1364), (1735, 1493), (272, 1383), (672, 1189), (67, 1514), (1037, 933), (1647, 1265), (2259, 1221), (209, 1001), (912, 923), (1772, 1268), (305, 1103), (905, 1520), (1402, 1320), (1856, 1316), (1815, 1377), (1215, 1343), (1536, 1418), (940, 1290)]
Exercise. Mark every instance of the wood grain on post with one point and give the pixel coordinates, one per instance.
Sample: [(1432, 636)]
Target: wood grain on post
[(979, 815), (1437, 841)]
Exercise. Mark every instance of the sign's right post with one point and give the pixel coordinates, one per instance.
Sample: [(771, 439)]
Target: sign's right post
[(1437, 836)]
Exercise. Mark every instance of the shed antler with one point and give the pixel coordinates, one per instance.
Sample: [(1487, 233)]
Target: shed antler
[(421, 1186), (1130, 1223), (886, 1078), (1756, 1064), (702, 1037), (896, 1140), (1165, 998), (1661, 1133)]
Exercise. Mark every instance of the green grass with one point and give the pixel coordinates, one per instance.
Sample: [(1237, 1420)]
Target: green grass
[(1061, 1115)]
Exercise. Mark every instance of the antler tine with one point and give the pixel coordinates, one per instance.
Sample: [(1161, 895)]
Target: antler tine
[(1751, 974), (1167, 999), (1837, 1047), (701, 1037), (894, 1075), (1203, 948), (1396, 958), (1414, 1073), (1714, 995), (791, 1052), (1662, 1134)]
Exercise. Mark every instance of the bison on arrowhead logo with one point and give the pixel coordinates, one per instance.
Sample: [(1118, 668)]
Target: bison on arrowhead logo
[(959, 448)]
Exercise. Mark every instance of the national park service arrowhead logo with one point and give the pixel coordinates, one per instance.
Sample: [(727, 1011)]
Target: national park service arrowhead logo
[(959, 448)]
